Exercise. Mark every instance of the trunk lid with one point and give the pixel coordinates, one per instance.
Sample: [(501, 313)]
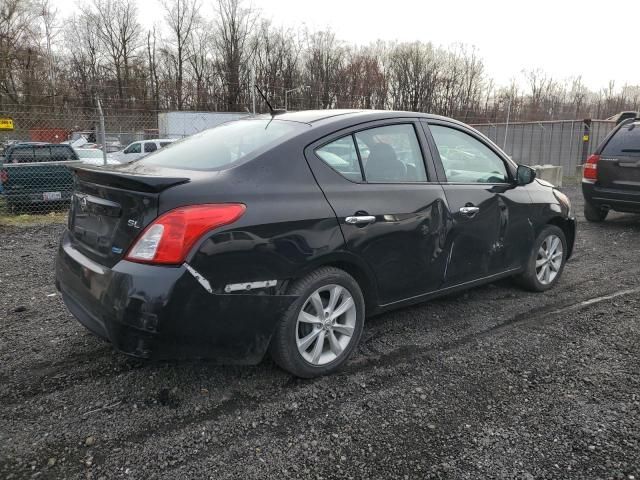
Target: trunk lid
[(109, 209)]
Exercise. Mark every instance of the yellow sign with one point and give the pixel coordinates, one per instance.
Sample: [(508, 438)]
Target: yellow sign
[(6, 123), (585, 138)]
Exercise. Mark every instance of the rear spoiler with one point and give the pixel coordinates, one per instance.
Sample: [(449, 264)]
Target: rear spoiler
[(127, 181)]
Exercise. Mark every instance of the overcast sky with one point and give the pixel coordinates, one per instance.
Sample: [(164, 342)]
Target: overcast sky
[(563, 37)]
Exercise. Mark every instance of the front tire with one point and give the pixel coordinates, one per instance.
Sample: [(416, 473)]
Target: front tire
[(322, 328), (593, 213), (546, 261)]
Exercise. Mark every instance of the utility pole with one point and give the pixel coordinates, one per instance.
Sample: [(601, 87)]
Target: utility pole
[(103, 140), (506, 127), (253, 89)]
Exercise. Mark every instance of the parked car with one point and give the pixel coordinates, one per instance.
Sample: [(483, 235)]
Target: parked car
[(35, 173), (252, 236), (140, 149), (611, 176), (94, 156)]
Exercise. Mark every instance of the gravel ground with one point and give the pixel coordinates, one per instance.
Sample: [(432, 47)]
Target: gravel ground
[(492, 383)]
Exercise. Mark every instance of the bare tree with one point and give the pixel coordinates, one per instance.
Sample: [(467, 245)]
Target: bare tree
[(187, 62), (233, 29), (17, 44), (153, 67), (181, 17), (51, 25), (325, 54), (117, 28)]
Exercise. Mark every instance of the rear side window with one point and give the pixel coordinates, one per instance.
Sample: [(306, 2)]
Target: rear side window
[(224, 145), (391, 154), (164, 144), (150, 147), (625, 142), (342, 156)]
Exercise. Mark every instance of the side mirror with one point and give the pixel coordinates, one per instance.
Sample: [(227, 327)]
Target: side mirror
[(525, 175)]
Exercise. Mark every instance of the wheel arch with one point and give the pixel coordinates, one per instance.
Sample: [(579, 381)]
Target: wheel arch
[(358, 270), (568, 228)]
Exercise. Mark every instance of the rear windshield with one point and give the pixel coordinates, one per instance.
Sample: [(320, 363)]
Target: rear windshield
[(42, 153), (625, 142), (221, 146)]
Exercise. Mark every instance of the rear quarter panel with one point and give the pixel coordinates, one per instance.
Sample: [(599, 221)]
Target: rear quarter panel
[(288, 226)]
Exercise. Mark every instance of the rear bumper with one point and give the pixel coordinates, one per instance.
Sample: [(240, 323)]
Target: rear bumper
[(163, 312), (621, 200)]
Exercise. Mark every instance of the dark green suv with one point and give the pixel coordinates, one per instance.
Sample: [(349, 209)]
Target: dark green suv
[(37, 173)]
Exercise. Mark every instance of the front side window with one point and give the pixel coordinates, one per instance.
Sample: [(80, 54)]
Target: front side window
[(467, 160), (133, 148), (223, 145), (391, 154), (342, 156)]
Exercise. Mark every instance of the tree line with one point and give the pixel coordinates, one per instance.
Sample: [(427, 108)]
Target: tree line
[(193, 61)]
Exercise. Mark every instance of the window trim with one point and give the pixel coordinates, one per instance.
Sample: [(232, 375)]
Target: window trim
[(421, 137), (510, 165)]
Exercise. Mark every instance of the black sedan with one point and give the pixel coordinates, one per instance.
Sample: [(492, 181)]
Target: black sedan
[(282, 233)]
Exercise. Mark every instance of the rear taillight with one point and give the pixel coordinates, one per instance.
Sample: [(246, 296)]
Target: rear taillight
[(4, 176), (170, 237), (590, 169)]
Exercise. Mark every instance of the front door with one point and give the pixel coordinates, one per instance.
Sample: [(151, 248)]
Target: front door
[(491, 225), (392, 212)]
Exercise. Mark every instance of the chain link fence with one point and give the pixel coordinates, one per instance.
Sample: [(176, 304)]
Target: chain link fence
[(563, 143), (40, 151)]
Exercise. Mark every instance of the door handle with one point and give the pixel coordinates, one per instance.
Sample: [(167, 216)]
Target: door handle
[(360, 220), (469, 211)]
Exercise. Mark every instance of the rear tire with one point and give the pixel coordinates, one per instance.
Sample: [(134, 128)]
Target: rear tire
[(593, 213), (546, 261), (308, 340)]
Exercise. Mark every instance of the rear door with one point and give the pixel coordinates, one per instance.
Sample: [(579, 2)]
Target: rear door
[(490, 232), (392, 213), (619, 164)]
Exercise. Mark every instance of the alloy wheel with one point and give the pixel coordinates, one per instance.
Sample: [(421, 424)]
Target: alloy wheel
[(549, 260), (326, 324)]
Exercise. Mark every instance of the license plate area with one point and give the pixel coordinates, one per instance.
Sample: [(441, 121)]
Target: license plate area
[(51, 196)]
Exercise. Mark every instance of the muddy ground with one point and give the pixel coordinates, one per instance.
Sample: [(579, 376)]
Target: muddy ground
[(492, 383)]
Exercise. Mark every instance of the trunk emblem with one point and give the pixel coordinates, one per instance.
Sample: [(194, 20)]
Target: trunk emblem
[(116, 250), (133, 223)]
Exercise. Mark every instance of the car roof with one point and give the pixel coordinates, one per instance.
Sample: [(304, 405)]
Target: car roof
[(313, 117), (38, 144)]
